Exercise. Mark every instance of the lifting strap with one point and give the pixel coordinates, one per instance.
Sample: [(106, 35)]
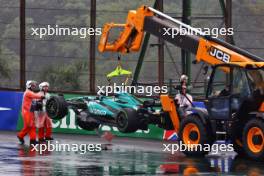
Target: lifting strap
[(119, 71)]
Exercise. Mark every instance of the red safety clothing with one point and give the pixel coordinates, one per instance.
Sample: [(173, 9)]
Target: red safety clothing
[(28, 117)]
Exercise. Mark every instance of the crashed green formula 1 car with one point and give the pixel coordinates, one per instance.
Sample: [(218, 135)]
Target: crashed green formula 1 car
[(125, 111)]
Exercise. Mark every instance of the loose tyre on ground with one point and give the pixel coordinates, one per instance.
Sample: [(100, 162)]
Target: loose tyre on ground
[(253, 139), (193, 131), (127, 121)]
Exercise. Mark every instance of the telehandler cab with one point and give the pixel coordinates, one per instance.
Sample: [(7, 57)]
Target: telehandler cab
[(234, 110)]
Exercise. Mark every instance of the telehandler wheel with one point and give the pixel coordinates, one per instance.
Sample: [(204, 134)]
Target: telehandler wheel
[(193, 131), (253, 139)]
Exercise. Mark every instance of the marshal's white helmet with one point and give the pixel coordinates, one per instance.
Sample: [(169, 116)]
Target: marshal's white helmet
[(43, 84), (29, 84), (183, 77)]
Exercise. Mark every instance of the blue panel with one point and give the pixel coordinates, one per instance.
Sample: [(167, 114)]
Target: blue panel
[(199, 104), (10, 105)]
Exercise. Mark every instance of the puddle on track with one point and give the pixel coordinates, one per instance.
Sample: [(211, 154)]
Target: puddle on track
[(120, 160)]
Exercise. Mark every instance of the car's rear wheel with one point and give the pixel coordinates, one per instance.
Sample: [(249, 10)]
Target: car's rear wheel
[(253, 139), (85, 122), (127, 121), (56, 107)]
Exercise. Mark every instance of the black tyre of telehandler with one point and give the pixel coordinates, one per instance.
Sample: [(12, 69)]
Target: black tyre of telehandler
[(193, 131), (253, 139)]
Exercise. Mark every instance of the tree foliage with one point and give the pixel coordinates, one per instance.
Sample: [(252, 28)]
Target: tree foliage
[(64, 77)]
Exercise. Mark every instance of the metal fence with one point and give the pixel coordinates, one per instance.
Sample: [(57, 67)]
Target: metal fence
[(73, 64)]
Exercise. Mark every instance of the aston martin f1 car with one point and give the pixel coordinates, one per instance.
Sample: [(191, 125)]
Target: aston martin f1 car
[(122, 110)]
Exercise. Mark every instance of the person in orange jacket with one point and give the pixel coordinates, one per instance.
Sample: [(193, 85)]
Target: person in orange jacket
[(44, 123), (27, 115)]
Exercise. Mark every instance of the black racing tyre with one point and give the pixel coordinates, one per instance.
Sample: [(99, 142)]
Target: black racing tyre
[(127, 121), (56, 107), (193, 131), (85, 122), (253, 139)]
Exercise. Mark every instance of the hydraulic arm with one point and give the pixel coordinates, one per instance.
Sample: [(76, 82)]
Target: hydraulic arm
[(146, 19)]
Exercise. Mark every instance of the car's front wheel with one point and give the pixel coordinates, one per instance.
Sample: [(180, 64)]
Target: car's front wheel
[(127, 121), (56, 107)]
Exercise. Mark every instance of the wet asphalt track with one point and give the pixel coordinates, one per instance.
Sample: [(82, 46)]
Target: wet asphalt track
[(124, 157)]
